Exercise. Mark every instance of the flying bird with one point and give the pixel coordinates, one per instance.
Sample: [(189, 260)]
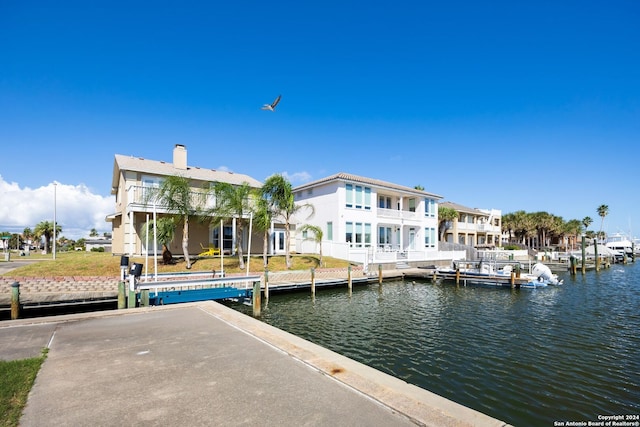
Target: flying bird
[(272, 106)]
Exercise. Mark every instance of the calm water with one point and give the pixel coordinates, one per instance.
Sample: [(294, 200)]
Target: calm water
[(528, 357)]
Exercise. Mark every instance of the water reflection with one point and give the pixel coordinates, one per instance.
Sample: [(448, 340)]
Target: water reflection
[(527, 357)]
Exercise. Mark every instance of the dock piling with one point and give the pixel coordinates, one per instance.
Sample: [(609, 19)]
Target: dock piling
[(349, 283), (15, 300), (121, 296), (266, 283), (257, 303), (313, 282), (380, 274)]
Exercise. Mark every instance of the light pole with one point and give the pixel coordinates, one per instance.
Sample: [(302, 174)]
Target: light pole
[(55, 184)]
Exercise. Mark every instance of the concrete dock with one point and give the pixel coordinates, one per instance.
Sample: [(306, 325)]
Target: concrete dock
[(206, 364)]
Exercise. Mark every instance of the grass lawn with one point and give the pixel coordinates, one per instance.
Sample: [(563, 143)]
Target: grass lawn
[(105, 264), (16, 380)]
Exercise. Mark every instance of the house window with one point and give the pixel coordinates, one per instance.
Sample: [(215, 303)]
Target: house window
[(367, 198), (384, 236), (305, 234), (429, 207), (360, 235), (384, 202), (329, 230), (429, 237), (412, 205), (358, 196)]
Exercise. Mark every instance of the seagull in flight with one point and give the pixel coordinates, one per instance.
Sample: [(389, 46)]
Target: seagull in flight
[(272, 106)]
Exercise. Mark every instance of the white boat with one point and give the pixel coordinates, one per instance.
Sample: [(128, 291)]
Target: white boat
[(488, 273), (620, 243)]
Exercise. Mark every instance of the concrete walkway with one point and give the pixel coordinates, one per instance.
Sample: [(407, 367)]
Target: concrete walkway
[(206, 364)]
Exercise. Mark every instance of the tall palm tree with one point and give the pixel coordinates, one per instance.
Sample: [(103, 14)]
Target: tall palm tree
[(603, 210), (278, 192), (234, 201), (587, 221), (175, 195), (262, 218), (445, 216), (45, 228), (317, 235)]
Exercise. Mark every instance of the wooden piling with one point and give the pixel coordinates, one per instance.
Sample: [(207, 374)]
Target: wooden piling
[(122, 296), (313, 282), (584, 255), (513, 279), (380, 274), (595, 252), (15, 300), (257, 303), (573, 265), (266, 283), (144, 298), (349, 282), (457, 275)]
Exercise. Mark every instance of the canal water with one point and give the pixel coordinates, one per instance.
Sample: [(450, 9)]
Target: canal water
[(529, 357)]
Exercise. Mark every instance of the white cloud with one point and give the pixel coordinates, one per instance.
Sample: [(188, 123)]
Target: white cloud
[(297, 177), (77, 209)]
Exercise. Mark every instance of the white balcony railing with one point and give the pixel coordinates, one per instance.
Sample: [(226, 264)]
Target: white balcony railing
[(145, 196), (395, 213)]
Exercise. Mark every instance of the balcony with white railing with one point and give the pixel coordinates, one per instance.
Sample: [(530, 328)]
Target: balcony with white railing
[(396, 213), (146, 198)]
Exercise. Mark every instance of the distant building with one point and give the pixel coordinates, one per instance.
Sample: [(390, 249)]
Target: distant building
[(93, 244), (481, 228)]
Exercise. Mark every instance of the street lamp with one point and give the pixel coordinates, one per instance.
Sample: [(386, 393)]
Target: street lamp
[(55, 184)]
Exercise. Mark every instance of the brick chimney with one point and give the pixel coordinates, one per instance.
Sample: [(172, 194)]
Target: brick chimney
[(180, 157)]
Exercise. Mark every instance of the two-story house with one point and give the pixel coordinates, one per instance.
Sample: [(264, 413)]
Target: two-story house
[(481, 228), (368, 220), (134, 178)]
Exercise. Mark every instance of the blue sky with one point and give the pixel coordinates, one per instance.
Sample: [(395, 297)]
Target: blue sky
[(508, 105)]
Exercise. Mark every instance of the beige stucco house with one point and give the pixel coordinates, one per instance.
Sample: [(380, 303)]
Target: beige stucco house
[(133, 177), (481, 228)]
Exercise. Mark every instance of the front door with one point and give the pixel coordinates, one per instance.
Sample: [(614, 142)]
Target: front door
[(278, 241)]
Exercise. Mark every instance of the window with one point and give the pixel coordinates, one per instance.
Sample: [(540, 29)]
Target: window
[(359, 195), (429, 237), (384, 202), (329, 230), (429, 207), (384, 236), (358, 236), (412, 205), (367, 198), (305, 234)]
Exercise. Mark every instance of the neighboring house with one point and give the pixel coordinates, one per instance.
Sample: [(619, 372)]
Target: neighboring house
[(480, 228), (369, 221), (133, 179), (93, 244)]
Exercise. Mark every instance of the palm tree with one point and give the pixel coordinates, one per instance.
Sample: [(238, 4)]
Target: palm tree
[(45, 228), (165, 231), (317, 235), (234, 201), (603, 210), (587, 221), (175, 195), (262, 217), (279, 194), (93, 233), (445, 216)]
